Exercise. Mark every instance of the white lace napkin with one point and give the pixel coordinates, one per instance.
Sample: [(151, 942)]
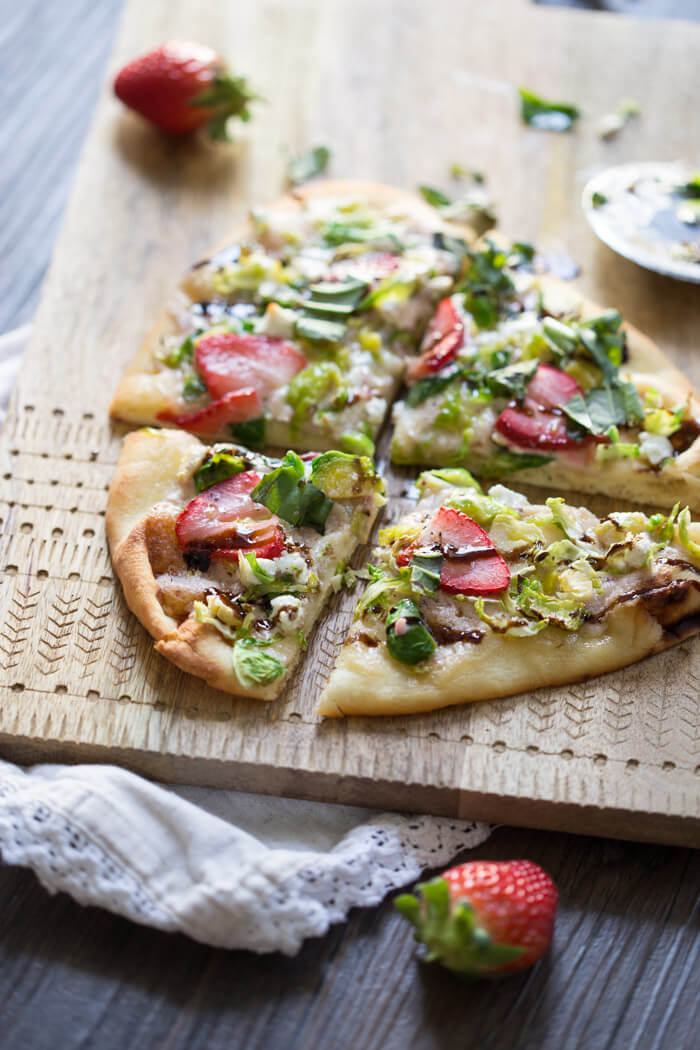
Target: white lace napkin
[(229, 869)]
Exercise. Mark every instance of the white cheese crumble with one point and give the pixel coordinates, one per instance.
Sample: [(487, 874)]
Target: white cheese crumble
[(654, 448)]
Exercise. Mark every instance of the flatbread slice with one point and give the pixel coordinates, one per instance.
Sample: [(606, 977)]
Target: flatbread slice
[(481, 595), (296, 332), (227, 557), (519, 372)]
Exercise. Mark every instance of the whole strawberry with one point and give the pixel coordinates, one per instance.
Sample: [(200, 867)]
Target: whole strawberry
[(182, 86), (484, 918)]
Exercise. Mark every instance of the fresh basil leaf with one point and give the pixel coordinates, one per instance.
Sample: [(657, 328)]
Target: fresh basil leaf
[(561, 338), (520, 252), (513, 379), (217, 467), (486, 284), (318, 330), (184, 353), (605, 406), (429, 386), (337, 233), (314, 507), (348, 292), (577, 411), (506, 462), (252, 665), (544, 115), (286, 493), (326, 309), (416, 643), (425, 572), (437, 198), (251, 433), (482, 310), (443, 242), (193, 387), (603, 341), (689, 189), (304, 166)]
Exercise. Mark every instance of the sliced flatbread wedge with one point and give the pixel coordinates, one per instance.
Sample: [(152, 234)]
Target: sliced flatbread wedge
[(227, 557), (296, 332), (481, 595), (519, 372)]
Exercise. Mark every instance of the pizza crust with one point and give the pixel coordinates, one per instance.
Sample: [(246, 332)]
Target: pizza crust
[(368, 681)]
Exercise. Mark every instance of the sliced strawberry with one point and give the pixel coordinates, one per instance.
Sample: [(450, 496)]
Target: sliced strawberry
[(234, 407), (225, 516), (541, 430), (534, 426), (486, 574), (550, 388), (371, 267), (456, 532), (270, 549), (442, 340), (229, 361), (471, 563)]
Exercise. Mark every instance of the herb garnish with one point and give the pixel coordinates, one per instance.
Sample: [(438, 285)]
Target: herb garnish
[(250, 433), (305, 166), (217, 467), (547, 116), (287, 493)]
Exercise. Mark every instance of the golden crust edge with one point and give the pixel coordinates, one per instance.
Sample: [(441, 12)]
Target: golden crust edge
[(631, 634)]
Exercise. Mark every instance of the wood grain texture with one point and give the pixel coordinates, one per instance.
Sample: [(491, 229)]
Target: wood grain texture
[(618, 756)]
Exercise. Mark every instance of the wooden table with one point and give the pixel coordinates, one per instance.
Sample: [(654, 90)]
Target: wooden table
[(625, 967)]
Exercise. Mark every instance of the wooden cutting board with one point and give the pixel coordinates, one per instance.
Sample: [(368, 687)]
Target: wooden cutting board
[(399, 92)]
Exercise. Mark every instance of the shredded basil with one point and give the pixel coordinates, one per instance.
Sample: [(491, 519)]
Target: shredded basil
[(506, 462), (287, 493), (217, 467), (318, 330), (428, 387), (305, 166), (605, 406), (513, 379), (185, 351), (689, 189), (433, 196), (193, 387), (544, 115), (425, 572), (251, 433), (443, 242)]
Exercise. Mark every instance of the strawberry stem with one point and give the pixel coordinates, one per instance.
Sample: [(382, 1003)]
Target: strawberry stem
[(227, 97), (451, 932)]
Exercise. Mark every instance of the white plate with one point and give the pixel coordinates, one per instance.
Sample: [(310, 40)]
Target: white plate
[(639, 217)]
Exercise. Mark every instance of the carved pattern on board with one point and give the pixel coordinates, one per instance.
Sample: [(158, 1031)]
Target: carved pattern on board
[(579, 710), (91, 631), (541, 712), (15, 631), (56, 633), (657, 727), (618, 713), (122, 651)]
